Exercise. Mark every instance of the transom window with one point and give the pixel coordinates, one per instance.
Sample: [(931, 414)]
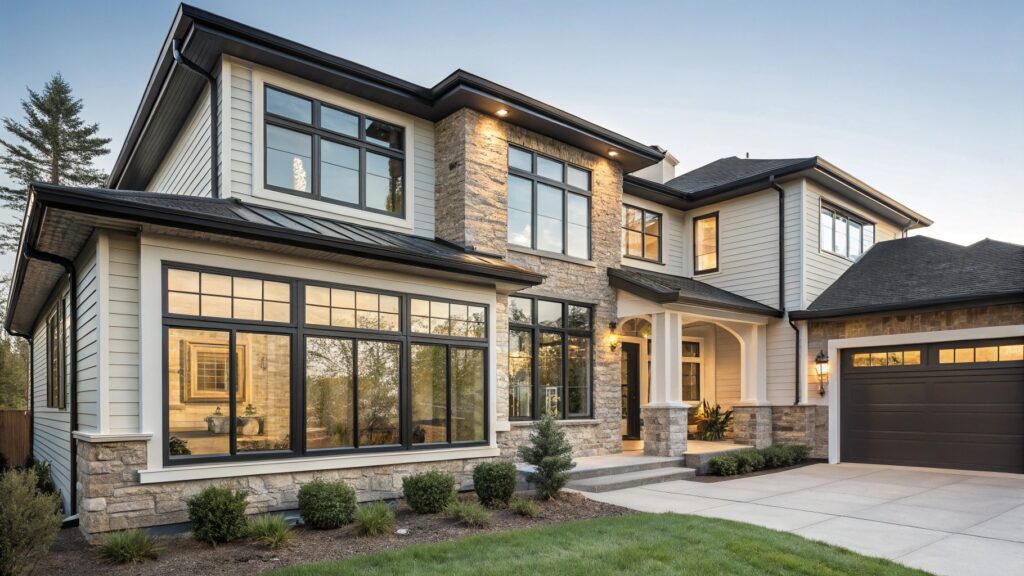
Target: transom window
[(344, 373), (335, 155), (845, 234), (890, 358), (549, 358), (973, 355), (641, 233), (705, 244), (548, 204)]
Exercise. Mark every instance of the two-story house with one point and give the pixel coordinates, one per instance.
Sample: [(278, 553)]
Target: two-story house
[(304, 267)]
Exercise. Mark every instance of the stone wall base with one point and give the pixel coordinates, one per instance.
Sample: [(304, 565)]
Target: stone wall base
[(588, 438), (752, 425), (802, 425), (664, 430)]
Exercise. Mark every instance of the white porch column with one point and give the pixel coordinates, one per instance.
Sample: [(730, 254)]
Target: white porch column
[(754, 375), (665, 416)]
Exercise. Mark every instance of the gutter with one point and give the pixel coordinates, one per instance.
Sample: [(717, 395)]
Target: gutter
[(31, 252), (782, 287), (958, 301), (180, 58)]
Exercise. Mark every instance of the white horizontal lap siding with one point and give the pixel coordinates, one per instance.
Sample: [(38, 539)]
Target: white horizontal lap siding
[(123, 317), (241, 170), (727, 368), (186, 169), (781, 363), (423, 179), (88, 341), (51, 428), (673, 239)]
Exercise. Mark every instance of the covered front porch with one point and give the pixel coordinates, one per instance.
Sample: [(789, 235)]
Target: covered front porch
[(684, 343)]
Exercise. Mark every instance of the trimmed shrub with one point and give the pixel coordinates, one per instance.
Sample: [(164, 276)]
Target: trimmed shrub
[(551, 455), (495, 483), (428, 492), (129, 547), (749, 461), (271, 530), (29, 521), (724, 465), (776, 456), (797, 453), (326, 505), (524, 507), (470, 514), (374, 519), (218, 515)]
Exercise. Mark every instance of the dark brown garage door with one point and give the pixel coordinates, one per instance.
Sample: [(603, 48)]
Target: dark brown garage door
[(950, 405)]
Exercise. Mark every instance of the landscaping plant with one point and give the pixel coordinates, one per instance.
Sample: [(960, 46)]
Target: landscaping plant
[(326, 505), (712, 423), (29, 522), (374, 519), (428, 492), (495, 483), (271, 530), (551, 455), (751, 460), (470, 514), (217, 515), (129, 547), (524, 507)]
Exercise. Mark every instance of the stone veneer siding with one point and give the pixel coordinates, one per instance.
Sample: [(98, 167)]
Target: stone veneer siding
[(752, 425), (802, 425), (472, 200), (111, 497)]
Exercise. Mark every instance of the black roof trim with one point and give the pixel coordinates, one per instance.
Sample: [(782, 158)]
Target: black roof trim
[(919, 305), (667, 288)]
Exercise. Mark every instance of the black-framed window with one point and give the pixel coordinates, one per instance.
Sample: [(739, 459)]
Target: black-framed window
[(314, 149), (641, 233), (550, 358), (548, 204), (844, 234), (56, 358), (705, 243), (340, 369)]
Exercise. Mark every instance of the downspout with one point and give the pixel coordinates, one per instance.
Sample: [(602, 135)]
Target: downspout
[(214, 113), (782, 287), (69, 267)]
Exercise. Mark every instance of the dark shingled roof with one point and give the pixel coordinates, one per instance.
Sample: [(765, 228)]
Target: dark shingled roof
[(667, 288), (730, 170), (920, 271)]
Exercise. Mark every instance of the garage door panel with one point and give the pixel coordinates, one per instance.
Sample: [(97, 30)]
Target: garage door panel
[(967, 415)]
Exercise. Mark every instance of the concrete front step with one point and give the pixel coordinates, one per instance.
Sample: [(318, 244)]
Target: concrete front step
[(631, 479), (594, 466)]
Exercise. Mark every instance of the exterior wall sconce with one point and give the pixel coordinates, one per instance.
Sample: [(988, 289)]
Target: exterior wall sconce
[(613, 336), (821, 368)]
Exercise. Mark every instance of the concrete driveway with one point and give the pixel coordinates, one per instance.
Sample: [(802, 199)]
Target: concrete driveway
[(946, 522)]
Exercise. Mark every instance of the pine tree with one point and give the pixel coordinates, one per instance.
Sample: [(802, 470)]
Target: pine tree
[(54, 145), (551, 455)]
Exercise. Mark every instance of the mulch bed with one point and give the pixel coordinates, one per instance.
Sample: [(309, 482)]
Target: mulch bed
[(710, 478), (184, 555)]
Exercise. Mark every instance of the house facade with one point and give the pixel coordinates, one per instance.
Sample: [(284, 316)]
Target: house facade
[(302, 267)]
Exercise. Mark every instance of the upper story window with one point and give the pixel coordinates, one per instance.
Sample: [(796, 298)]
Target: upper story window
[(317, 150), (548, 204), (844, 234), (705, 244), (641, 233)]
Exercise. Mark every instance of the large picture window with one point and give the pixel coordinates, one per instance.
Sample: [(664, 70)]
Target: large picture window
[(845, 234), (335, 155), (338, 371), (705, 244), (549, 360), (548, 204), (641, 233)]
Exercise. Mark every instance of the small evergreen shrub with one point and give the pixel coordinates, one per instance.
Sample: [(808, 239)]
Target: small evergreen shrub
[(776, 456), (551, 455), (797, 453), (129, 547), (44, 478), (271, 530), (217, 515), (495, 483), (29, 521), (428, 492), (326, 505), (749, 461), (524, 507), (470, 514), (374, 519), (724, 465)]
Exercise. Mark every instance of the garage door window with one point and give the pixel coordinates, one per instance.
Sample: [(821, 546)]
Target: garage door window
[(973, 355), (891, 358)]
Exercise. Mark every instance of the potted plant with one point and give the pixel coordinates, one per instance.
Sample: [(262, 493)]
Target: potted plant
[(218, 423), (712, 423), (250, 423)]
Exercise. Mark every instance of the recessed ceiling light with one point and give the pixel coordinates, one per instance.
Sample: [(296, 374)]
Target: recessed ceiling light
[(502, 113), (613, 153)]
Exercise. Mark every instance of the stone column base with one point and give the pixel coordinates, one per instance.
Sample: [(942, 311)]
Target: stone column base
[(752, 425), (664, 430)]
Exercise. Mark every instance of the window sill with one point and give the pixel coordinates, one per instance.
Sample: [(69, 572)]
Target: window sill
[(551, 255), (309, 464), (571, 422)]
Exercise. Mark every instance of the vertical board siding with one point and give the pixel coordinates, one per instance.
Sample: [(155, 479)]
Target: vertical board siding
[(51, 428), (186, 169), (123, 301), (241, 168)]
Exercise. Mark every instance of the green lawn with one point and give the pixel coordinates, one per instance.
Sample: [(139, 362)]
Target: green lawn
[(645, 544)]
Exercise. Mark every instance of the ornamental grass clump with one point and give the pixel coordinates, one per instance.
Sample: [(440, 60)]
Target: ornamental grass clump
[(524, 507), (217, 515), (551, 455), (428, 492), (374, 519), (495, 483), (271, 531), (325, 505), (470, 514), (129, 547)]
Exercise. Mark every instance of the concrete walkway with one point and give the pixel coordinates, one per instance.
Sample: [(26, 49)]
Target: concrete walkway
[(943, 521)]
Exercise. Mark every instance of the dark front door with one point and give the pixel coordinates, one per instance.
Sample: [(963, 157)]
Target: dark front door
[(631, 390), (948, 405)]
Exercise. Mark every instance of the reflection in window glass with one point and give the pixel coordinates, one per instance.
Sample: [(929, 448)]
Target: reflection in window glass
[(429, 371), (548, 215), (520, 211), (578, 376), (222, 296), (705, 241), (520, 374), (344, 308), (329, 393), (549, 372), (384, 134), (467, 394), (263, 395), (549, 218), (447, 318), (198, 396), (289, 106), (384, 188), (339, 121), (912, 357), (549, 313), (339, 172), (289, 158), (577, 226), (378, 374), (549, 168), (579, 317), (520, 159), (520, 310)]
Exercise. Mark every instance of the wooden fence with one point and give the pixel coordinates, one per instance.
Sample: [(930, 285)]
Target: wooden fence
[(14, 436)]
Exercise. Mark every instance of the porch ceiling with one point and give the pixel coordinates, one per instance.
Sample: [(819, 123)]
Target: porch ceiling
[(669, 289)]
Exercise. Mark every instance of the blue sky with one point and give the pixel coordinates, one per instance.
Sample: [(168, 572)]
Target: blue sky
[(923, 100)]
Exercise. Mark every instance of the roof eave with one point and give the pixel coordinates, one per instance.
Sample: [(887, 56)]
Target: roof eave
[(919, 305), (617, 280)]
